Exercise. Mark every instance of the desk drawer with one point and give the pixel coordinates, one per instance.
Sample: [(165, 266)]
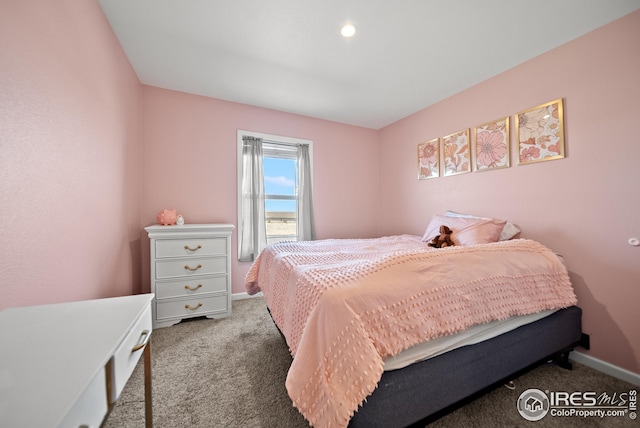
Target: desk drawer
[(125, 358), (191, 307), (189, 267), (91, 407), (191, 287), (196, 247)]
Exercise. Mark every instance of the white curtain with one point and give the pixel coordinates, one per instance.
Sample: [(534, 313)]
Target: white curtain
[(306, 227), (253, 231)]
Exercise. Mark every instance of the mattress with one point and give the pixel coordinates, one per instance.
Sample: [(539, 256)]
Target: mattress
[(472, 335)]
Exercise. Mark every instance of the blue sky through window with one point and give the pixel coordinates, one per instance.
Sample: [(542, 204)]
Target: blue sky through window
[(279, 179)]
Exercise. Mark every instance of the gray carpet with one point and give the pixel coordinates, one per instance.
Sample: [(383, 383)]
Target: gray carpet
[(230, 373)]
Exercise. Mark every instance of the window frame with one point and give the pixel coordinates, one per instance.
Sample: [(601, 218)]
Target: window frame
[(267, 138)]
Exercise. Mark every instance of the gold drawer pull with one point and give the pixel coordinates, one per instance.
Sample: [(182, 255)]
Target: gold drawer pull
[(187, 306), (190, 288), (145, 336), (192, 269), (186, 247)]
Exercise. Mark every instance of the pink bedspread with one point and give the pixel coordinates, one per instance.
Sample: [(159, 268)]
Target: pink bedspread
[(345, 305)]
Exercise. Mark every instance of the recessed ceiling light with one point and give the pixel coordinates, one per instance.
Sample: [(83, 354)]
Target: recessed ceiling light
[(348, 30)]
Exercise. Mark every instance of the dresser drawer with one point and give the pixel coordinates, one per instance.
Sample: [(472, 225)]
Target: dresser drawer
[(191, 286), (190, 247), (191, 307), (126, 356), (171, 268)]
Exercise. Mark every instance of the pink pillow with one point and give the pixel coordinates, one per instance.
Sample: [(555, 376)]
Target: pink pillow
[(466, 231)]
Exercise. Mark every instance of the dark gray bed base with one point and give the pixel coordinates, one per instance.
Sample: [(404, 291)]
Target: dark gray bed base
[(425, 391)]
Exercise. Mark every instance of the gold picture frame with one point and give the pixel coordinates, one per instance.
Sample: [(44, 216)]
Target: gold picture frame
[(456, 153), (429, 159), (492, 145), (540, 133)]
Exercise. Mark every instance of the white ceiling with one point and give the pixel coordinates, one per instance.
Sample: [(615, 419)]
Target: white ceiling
[(288, 55)]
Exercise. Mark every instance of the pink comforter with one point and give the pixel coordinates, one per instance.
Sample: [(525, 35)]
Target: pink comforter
[(346, 305)]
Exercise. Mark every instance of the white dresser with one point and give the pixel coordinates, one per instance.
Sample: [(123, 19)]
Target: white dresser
[(64, 365), (190, 271)]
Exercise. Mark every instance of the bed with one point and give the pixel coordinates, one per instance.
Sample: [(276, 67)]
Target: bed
[(348, 309)]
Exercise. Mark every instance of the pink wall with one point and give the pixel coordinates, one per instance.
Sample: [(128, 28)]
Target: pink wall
[(69, 169), (584, 207), (189, 163)]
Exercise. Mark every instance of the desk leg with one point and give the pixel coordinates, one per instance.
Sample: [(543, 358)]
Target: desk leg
[(148, 404)]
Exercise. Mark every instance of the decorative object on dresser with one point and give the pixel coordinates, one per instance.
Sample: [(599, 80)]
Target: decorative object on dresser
[(166, 217), (190, 271)]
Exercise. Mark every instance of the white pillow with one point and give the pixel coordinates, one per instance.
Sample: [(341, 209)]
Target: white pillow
[(509, 231), (465, 230)]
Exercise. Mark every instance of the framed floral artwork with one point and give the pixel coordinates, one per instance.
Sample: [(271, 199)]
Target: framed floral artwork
[(428, 159), (540, 132), (456, 153), (492, 145)]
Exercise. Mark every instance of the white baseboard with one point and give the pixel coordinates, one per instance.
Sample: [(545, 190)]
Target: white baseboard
[(240, 296), (604, 367)]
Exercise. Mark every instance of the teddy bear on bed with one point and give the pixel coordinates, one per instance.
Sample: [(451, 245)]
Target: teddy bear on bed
[(444, 239)]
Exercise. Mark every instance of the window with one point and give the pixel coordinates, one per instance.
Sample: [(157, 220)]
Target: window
[(279, 163), (274, 191)]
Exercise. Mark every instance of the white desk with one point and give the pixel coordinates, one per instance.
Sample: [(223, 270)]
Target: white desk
[(64, 365)]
